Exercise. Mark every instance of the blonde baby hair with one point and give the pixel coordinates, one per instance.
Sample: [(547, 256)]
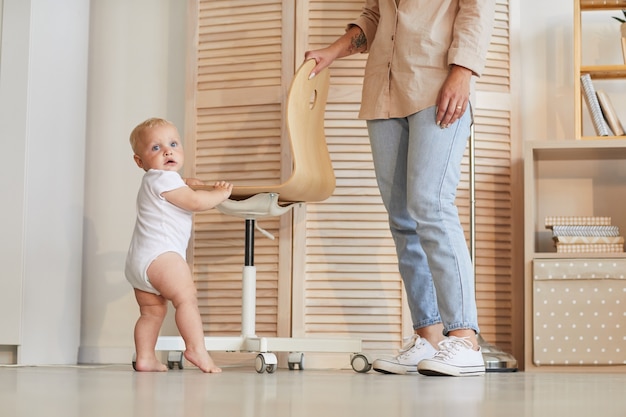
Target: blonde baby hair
[(135, 135)]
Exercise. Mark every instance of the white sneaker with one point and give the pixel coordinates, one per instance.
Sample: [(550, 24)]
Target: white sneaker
[(456, 357), (410, 355)]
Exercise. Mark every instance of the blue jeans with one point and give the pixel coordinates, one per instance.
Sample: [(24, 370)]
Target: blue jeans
[(418, 167)]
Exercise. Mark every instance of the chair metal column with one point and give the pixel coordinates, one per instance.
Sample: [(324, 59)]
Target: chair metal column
[(248, 285)]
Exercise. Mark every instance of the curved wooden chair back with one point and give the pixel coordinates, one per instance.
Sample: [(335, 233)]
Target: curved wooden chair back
[(312, 177)]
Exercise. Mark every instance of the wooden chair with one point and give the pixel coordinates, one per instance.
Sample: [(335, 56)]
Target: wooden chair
[(312, 179)]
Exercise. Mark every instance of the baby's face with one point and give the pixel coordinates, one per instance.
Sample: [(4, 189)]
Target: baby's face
[(160, 148)]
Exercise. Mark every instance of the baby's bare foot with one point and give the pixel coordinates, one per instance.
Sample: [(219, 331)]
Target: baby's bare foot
[(149, 365), (202, 360)]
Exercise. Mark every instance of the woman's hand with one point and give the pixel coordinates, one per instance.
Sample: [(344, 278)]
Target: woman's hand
[(323, 58), (454, 96), (352, 42)]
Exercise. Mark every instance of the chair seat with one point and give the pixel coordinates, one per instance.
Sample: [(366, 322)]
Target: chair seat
[(255, 207)]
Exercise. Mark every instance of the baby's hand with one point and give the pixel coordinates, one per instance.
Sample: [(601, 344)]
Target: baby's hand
[(225, 187)]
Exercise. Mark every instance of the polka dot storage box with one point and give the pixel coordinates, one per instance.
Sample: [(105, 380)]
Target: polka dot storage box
[(579, 308)]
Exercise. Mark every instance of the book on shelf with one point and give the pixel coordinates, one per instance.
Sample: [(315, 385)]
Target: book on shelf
[(589, 248), (577, 221), (584, 234), (609, 113), (593, 105), (589, 239), (582, 230)]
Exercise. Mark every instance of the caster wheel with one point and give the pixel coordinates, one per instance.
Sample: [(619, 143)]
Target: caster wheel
[(295, 358), (259, 364), (266, 361), (175, 359), (360, 363)]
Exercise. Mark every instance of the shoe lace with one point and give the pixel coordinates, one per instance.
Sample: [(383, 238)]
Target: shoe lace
[(450, 346), (409, 345)]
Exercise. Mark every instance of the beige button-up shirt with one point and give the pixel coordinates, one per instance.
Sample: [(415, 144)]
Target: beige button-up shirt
[(412, 43)]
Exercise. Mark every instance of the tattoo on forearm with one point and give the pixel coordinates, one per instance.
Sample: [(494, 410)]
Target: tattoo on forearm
[(358, 43)]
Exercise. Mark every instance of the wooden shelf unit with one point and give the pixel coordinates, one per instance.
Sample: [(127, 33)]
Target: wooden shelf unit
[(568, 178), (597, 72)]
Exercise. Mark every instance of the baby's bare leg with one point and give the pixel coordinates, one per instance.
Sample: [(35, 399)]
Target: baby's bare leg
[(153, 309), (170, 275)]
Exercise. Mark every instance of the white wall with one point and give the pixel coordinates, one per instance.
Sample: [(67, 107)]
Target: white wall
[(43, 93), (136, 70)]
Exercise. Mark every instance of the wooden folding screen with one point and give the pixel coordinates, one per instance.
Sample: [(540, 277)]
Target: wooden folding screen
[(332, 269)]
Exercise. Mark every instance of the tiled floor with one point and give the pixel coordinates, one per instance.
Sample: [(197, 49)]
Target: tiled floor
[(117, 391)]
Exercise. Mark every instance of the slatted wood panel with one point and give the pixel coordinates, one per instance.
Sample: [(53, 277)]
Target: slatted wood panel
[(351, 262), (345, 278), (496, 76), (352, 286), (494, 212), (494, 221), (237, 133)]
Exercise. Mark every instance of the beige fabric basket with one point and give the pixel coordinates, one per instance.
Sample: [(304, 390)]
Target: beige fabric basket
[(579, 310)]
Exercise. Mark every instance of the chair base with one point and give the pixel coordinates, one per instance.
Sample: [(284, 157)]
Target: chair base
[(267, 347)]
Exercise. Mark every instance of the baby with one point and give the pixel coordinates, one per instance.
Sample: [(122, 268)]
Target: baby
[(156, 265)]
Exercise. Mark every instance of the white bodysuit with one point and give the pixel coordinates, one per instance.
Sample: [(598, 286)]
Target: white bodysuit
[(160, 227)]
